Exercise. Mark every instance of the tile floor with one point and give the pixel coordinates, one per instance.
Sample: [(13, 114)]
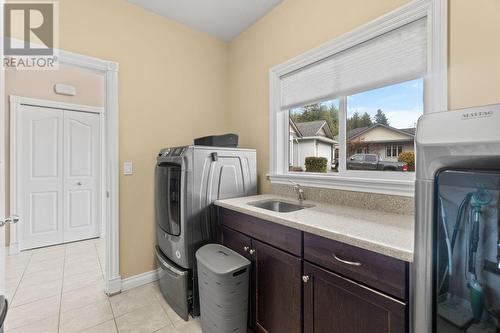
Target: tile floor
[(61, 289)]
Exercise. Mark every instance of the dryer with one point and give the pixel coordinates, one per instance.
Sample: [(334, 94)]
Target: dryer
[(188, 180)]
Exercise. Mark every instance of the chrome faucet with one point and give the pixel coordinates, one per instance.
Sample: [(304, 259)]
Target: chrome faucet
[(300, 191)]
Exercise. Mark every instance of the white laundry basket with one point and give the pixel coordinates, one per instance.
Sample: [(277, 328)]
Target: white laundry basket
[(223, 285)]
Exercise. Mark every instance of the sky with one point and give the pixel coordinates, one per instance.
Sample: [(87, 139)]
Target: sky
[(402, 103)]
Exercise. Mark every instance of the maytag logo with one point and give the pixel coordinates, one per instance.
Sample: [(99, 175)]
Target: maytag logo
[(476, 115)]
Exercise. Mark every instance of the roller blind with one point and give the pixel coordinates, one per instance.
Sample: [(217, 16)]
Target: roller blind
[(398, 55)]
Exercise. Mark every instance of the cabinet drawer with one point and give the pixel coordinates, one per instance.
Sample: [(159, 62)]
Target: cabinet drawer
[(375, 270), (282, 237), (237, 242)]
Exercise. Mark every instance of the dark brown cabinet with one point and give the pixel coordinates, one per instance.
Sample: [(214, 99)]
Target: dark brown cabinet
[(278, 290), (275, 284), (306, 283), (335, 304)]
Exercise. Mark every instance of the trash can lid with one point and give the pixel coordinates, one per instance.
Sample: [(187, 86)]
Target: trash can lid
[(220, 260)]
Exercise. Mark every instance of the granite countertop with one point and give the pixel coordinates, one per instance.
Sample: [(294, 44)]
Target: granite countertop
[(384, 233)]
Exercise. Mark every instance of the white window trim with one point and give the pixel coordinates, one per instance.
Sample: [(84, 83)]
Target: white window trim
[(435, 98)]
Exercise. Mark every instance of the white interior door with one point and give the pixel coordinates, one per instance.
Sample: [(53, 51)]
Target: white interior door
[(58, 176), (40, 176), (81, 175)]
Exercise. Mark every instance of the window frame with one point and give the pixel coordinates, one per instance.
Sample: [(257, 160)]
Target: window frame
[(435, 99), (392, 148)]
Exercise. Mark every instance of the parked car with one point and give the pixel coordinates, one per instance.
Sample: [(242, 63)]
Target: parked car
[(373, 162)]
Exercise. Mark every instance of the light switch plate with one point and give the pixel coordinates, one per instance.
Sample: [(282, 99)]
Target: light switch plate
[(128, 168)]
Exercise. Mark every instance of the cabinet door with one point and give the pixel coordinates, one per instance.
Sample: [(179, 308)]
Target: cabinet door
[(242, 244), (335, 304), (278, 289)]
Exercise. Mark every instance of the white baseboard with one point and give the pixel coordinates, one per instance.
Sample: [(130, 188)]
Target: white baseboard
[(140, 279), (114, 286)]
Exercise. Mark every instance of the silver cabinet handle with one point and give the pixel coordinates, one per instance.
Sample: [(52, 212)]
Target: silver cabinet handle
[(246, 248), (252, 251), (305, 278), (352, 263)]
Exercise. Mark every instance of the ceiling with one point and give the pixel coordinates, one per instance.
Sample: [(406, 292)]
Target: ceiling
[(223, 19)]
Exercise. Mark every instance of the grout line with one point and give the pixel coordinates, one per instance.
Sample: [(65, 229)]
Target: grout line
[(99, 259), (113, 313), (61, 295), (21, 279)]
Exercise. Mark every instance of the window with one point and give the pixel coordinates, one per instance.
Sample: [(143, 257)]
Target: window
[(314, 129), (361, 94), (361, 151), (371, 158), (393, 151), (382, 121), (357, 158)]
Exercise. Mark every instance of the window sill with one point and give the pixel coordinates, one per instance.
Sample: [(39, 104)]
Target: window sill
[(359, 184)]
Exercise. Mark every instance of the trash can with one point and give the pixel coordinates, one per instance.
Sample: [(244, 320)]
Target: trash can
[(223, 287)]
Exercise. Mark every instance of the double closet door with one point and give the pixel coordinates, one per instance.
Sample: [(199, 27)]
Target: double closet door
[(58, 176)]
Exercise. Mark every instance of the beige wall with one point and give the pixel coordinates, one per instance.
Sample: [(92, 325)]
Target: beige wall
[(173, 88), (296, 26), (474, 53)]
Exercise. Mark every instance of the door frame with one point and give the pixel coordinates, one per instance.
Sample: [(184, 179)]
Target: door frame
[(109, 153), (15, 103), (2, 159)]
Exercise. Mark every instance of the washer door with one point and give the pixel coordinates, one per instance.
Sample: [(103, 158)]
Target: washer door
[(168, 197)]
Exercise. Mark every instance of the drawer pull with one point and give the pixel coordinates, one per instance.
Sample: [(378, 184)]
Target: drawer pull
[(351, 263)]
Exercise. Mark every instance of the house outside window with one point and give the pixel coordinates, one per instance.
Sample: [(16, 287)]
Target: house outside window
[(360, 94), (315, 129)]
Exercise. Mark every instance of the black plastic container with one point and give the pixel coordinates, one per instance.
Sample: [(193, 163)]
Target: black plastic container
[(224, 140)]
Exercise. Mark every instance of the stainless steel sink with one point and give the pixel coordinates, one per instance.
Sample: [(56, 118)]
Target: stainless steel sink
[(279, 206)]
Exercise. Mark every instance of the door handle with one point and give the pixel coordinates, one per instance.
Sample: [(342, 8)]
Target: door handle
[(79, 183), (13, 219)]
